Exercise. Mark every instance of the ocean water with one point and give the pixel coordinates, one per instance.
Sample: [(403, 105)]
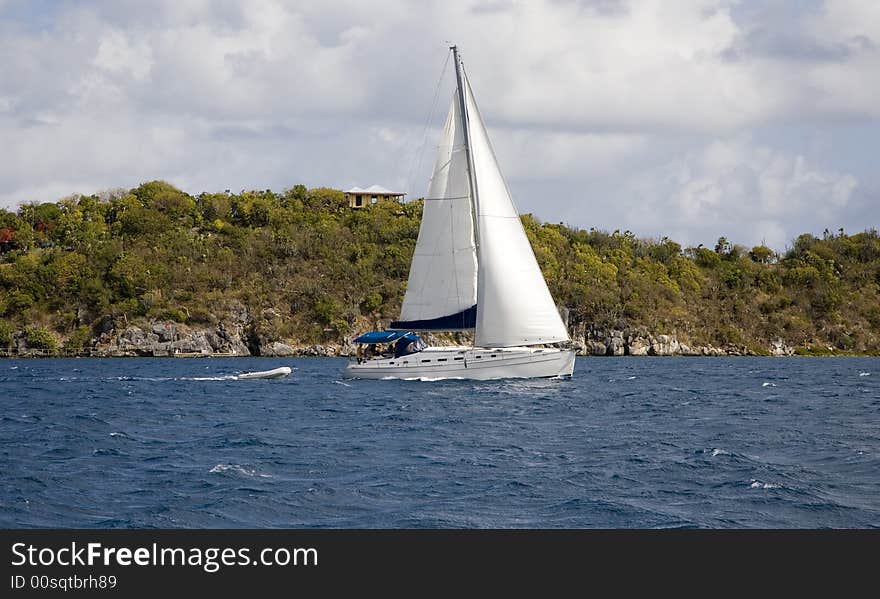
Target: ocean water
[(627, 443)]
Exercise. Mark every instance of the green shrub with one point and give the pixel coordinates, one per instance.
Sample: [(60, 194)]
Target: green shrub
[(40, 338), (175, 314), (80, 338), (707, 258), (761, 254), (6, 331), (18, 302), (372, 301)]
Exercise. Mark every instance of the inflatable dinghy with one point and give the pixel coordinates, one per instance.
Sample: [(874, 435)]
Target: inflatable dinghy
[(276, 373)]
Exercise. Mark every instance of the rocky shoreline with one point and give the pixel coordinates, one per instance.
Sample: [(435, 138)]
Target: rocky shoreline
[(166, 339), (643, 343)]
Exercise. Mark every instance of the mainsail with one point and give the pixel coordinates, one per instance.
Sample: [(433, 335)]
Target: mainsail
[(494, 285), (441, 292)]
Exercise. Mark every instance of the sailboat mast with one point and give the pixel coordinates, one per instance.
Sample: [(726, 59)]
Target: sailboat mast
[(462, 103)]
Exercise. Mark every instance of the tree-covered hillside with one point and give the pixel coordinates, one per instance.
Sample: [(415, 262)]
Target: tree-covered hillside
[(324, 272)]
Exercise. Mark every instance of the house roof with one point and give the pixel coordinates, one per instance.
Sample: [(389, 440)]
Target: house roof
[(375, 189)]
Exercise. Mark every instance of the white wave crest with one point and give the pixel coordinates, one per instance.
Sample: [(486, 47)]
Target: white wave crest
[(756, 484), (236, 468), (864, 374), (717, 452), (768, 384)]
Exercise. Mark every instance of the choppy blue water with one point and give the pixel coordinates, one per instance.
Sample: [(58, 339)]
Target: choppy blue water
[(628, 442)]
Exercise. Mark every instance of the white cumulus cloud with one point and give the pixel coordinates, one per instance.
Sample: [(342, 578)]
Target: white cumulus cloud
[(735, 188)]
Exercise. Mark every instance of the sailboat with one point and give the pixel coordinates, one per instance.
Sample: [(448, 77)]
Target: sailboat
[(473, 269)]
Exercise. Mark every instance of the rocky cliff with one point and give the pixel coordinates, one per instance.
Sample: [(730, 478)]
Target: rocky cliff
[(247, 336), (639, 342)]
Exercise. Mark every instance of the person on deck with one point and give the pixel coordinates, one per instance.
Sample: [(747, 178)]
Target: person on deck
[(406, 346)]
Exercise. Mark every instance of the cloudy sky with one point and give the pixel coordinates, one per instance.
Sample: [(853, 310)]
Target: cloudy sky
[(691, 119)]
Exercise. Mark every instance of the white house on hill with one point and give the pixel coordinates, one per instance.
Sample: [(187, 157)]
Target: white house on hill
[(358, 198)]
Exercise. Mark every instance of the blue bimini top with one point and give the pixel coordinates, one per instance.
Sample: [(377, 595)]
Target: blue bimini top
[(374, 337)]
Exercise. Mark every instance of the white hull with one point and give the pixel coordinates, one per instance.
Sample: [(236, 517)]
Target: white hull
[(469, 363)]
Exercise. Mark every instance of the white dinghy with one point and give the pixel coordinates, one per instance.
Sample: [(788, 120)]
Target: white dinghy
[(275, 373)]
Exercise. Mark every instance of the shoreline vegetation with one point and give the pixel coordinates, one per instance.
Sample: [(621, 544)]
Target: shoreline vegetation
[(155, 271)]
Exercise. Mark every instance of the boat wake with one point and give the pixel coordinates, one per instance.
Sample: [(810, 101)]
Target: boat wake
[(164, 379)]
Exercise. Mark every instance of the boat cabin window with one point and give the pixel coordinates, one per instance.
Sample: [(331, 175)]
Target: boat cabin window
[(423, 361), (441, 359), (459, 358)]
